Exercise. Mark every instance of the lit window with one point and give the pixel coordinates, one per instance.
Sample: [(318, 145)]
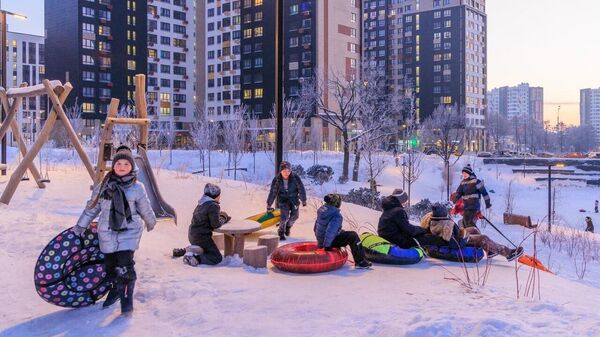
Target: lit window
[(258, 93), (258, 2), (258, 31), (247, 94)]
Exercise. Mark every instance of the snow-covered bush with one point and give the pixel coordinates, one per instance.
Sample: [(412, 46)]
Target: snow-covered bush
[(299, 170), (320, 174), (363, 197), (420, 208)]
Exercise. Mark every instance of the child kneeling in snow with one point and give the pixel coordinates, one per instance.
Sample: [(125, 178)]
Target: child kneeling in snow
[(205, 220), (122, 204), (438, 223), (329, 232)]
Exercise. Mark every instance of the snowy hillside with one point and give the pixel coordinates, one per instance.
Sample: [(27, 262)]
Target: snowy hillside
[(232, 300)]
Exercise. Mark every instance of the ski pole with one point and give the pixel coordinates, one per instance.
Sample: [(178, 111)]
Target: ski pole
[(491, 224)]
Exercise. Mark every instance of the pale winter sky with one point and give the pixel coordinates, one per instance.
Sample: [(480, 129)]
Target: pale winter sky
[(549, 43)]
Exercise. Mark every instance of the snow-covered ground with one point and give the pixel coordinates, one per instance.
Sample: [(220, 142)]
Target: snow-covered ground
[(232, 300)]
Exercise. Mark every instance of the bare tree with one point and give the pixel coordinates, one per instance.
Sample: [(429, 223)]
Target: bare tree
[(446, 128), (339, 109), (204, 135), (234, 134), (498, 127)]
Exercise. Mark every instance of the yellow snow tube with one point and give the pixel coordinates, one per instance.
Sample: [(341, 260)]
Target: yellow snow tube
[(266, 219)]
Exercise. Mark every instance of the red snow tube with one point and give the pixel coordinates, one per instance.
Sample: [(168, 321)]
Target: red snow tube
[(305, 257)]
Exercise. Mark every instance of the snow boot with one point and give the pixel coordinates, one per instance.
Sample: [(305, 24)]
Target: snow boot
[(364, 264), (191, 260), (113, 293), (282, 237), (287, 231), (127, 297), (491, 255), (178, 252), (514, 254)]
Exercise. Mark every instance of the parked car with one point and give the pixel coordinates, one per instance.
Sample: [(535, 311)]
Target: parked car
[(575, 155), (484, 154), (593, 155), (544, 154), (502, 153)]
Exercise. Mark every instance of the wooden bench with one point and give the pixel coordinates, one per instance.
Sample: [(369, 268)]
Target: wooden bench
[(516, 219)]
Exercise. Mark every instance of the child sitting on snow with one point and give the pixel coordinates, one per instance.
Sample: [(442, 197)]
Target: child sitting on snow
[(205, 220), (329, 232), (123, 206), (438, 223)]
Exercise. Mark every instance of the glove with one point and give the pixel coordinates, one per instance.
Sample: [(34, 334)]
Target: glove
[(488, 205), (79, 231), (328, 249), (304, 204)]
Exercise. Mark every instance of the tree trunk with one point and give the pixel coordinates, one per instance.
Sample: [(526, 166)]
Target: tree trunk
[(373, 183), (346, 155), (356, 164), (209, 173), (447, 164)]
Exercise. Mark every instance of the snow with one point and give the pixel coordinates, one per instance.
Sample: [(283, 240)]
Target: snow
[(235, 300)]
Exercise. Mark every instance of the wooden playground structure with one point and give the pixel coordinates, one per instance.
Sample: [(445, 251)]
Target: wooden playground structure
[(57, 93)]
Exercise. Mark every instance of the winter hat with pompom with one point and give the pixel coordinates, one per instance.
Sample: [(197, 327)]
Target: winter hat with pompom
[(123, 152)]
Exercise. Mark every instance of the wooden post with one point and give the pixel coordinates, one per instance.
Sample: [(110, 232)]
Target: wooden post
[(219, 239), (58, 109), (141, 106), (11, 121), (238, 244), (270, 241), (15, 178), (228, 251), (105, 139), (256, 256)]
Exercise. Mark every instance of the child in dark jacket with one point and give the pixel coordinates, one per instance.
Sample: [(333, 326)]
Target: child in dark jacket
[(395, 227), (205, 220), (329, 232), (589, 224), (287, 188)]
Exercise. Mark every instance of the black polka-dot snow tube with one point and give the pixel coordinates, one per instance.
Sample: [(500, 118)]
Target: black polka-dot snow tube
[(70, 271)]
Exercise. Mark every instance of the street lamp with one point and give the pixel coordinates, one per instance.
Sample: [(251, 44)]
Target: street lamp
[(3, 15), (550, 164)]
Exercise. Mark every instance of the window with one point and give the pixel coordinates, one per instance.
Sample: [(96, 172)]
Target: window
[(306, 23), (165, 40), (130, 64), (446, 99), (88, 12), (88, 107), (88, 44), (104, 15), (88, 28), (104, 77), (447, 35), (437, 15), (258, 2), (258, 31), (165, 12), (165, 83), (258, 62), (247, 33), (164, 54), (88, 92), (87, 60), (165, 68), (353, 17), (88, 76), (447, 13), (447, 56), (448, 23), (294, 9), (353, 32), (258, 16), (152, 53), (165, 26), (258, 47), (353, 63), (258, 93), (247, 94), (294, 41)]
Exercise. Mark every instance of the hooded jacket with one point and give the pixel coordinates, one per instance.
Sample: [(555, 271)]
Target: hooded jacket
[(205, 219), (394, 226), (328, 225)]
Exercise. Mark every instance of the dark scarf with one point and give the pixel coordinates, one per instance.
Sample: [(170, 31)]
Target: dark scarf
[(114, 190)]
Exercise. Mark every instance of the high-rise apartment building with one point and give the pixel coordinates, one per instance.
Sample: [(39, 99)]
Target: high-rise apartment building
[(25, 64), (98, 46), (436, 49), (171, 67), (521, 101), (589, 110)]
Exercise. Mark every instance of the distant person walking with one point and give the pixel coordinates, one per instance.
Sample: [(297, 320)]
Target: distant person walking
[(596, 206), (589, 225)]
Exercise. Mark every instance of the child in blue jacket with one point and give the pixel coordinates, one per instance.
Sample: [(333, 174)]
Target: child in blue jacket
[(329, 232)]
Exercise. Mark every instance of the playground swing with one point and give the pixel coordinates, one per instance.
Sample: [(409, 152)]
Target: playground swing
[(57, 93)]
